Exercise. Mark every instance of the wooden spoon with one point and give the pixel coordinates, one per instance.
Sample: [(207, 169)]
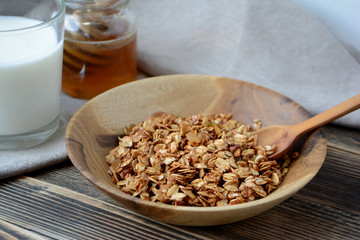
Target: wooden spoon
[(284, 137)]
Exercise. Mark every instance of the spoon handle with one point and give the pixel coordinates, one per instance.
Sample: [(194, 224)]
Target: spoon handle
[(330, 115)]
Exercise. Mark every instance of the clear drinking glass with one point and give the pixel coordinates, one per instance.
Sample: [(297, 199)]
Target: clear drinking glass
[(31, 50)]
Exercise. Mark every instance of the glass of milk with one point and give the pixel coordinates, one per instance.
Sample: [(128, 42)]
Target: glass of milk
[(31, 47)]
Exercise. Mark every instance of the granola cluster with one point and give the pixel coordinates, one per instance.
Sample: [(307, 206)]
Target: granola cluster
[(196, 161)]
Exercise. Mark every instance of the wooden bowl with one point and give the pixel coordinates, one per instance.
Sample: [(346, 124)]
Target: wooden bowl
[(93, 131)]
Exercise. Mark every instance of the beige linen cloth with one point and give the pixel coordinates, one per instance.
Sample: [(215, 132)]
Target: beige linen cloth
[(273, 43)]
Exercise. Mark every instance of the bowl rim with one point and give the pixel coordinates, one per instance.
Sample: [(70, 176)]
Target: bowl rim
[(271, 198)]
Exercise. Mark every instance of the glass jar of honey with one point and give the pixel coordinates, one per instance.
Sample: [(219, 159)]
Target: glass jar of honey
[(99, 46)]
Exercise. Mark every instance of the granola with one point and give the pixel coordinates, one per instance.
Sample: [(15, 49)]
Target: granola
[(195, 161)]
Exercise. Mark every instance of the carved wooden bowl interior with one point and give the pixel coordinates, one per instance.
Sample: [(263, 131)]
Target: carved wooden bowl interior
[(93, 131)]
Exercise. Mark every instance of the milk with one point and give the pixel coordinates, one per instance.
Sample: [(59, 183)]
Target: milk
[(30, 76)]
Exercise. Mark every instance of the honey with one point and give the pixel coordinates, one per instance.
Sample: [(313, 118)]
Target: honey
[(99, 49)]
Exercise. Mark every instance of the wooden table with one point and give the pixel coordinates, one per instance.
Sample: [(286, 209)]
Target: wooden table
[(58, 203)]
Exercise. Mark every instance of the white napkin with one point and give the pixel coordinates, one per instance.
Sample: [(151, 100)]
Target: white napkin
[(274, 43), (51, 152)]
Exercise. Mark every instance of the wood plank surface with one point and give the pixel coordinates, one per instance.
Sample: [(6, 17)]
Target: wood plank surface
[(10, 231), (59, 203), (57, 212), (336, 184), (342, 138)]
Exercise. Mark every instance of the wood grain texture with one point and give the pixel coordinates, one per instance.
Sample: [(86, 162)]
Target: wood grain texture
[(56, 212), (336, 184), (9, 231), (93, 130), (347, 139), (59, 203), (326, 208), (284, 137)]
